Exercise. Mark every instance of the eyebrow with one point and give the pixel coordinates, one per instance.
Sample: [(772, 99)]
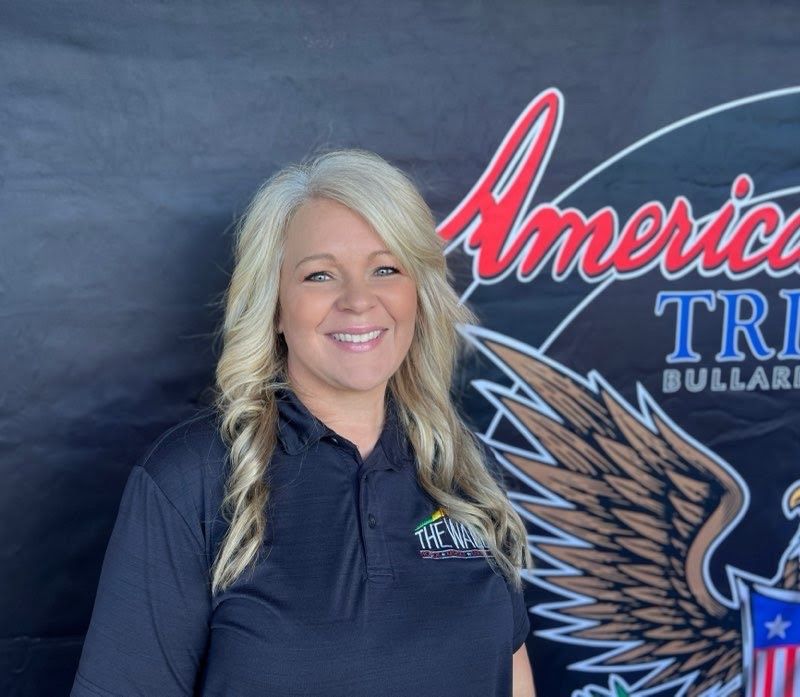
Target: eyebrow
[(333, 258)]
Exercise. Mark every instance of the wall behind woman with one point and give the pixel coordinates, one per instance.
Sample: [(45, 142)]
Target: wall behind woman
[(133, 134)]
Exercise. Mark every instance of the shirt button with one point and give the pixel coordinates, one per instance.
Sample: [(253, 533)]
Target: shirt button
[(372, 521), (335, 440)]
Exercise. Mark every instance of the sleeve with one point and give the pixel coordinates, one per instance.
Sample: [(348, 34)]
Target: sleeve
[(522, 623), (149, 625)]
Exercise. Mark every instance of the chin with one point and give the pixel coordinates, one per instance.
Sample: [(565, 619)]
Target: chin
[(364, 384)]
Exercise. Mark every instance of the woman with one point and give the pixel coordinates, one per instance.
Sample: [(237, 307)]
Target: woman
[(331, 526)]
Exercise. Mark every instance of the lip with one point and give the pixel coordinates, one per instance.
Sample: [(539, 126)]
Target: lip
[(363, 329), (361, 347)]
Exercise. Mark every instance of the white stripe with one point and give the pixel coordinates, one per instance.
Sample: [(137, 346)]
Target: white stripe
[(779, 671), (759, 674)]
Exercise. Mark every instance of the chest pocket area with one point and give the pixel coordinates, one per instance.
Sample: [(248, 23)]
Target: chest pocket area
[(425, 541)]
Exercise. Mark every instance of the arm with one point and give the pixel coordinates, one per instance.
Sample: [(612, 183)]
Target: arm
[(522, 676), (149, 625)]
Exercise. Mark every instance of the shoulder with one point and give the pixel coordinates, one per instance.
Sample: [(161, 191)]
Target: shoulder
[(188, 461)]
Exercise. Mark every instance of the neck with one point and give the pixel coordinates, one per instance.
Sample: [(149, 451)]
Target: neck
[(358, 416)]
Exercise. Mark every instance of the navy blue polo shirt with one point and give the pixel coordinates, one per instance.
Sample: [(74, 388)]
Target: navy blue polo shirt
[(364, 587)]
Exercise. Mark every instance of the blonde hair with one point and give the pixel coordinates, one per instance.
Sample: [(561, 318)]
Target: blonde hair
[(451, 466)]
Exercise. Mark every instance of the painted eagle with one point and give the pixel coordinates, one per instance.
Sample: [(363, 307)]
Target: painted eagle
[(637, 509)]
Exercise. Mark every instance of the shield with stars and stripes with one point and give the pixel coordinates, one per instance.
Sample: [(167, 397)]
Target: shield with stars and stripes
[(771, 641)]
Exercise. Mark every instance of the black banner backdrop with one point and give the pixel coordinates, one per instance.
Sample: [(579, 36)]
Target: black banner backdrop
[(619, 186)]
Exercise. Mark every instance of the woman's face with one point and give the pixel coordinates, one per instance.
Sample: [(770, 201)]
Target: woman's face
[(347, 308)]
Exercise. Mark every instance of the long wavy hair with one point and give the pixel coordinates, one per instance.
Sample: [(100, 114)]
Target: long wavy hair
[(451, 466)]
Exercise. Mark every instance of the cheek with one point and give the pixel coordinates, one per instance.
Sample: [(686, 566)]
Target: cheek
[(302, 312), (405, 308)]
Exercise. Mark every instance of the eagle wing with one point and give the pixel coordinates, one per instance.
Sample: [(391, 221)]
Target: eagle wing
[(645, 506)]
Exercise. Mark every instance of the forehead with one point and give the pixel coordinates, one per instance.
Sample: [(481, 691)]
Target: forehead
[(325, 225)]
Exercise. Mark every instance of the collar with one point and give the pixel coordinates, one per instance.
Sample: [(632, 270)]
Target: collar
[(299, 429)]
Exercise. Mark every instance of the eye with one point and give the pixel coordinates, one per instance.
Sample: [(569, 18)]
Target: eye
[(310, 276), (390, 268)]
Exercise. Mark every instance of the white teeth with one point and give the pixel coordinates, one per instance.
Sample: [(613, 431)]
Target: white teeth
[(357, 338)]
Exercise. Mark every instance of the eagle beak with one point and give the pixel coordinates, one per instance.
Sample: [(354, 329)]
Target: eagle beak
[(794, 499)]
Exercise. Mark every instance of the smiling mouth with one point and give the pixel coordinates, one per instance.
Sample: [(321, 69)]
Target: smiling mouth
[(357, 338)]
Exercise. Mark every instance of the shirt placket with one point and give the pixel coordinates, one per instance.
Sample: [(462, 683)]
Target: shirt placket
[(373, 541), (378, 565)]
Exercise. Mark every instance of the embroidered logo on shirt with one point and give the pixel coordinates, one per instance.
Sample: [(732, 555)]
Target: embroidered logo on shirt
[(440, 537)]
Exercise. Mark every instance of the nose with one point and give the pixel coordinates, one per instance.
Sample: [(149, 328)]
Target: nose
[(356, 295)]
